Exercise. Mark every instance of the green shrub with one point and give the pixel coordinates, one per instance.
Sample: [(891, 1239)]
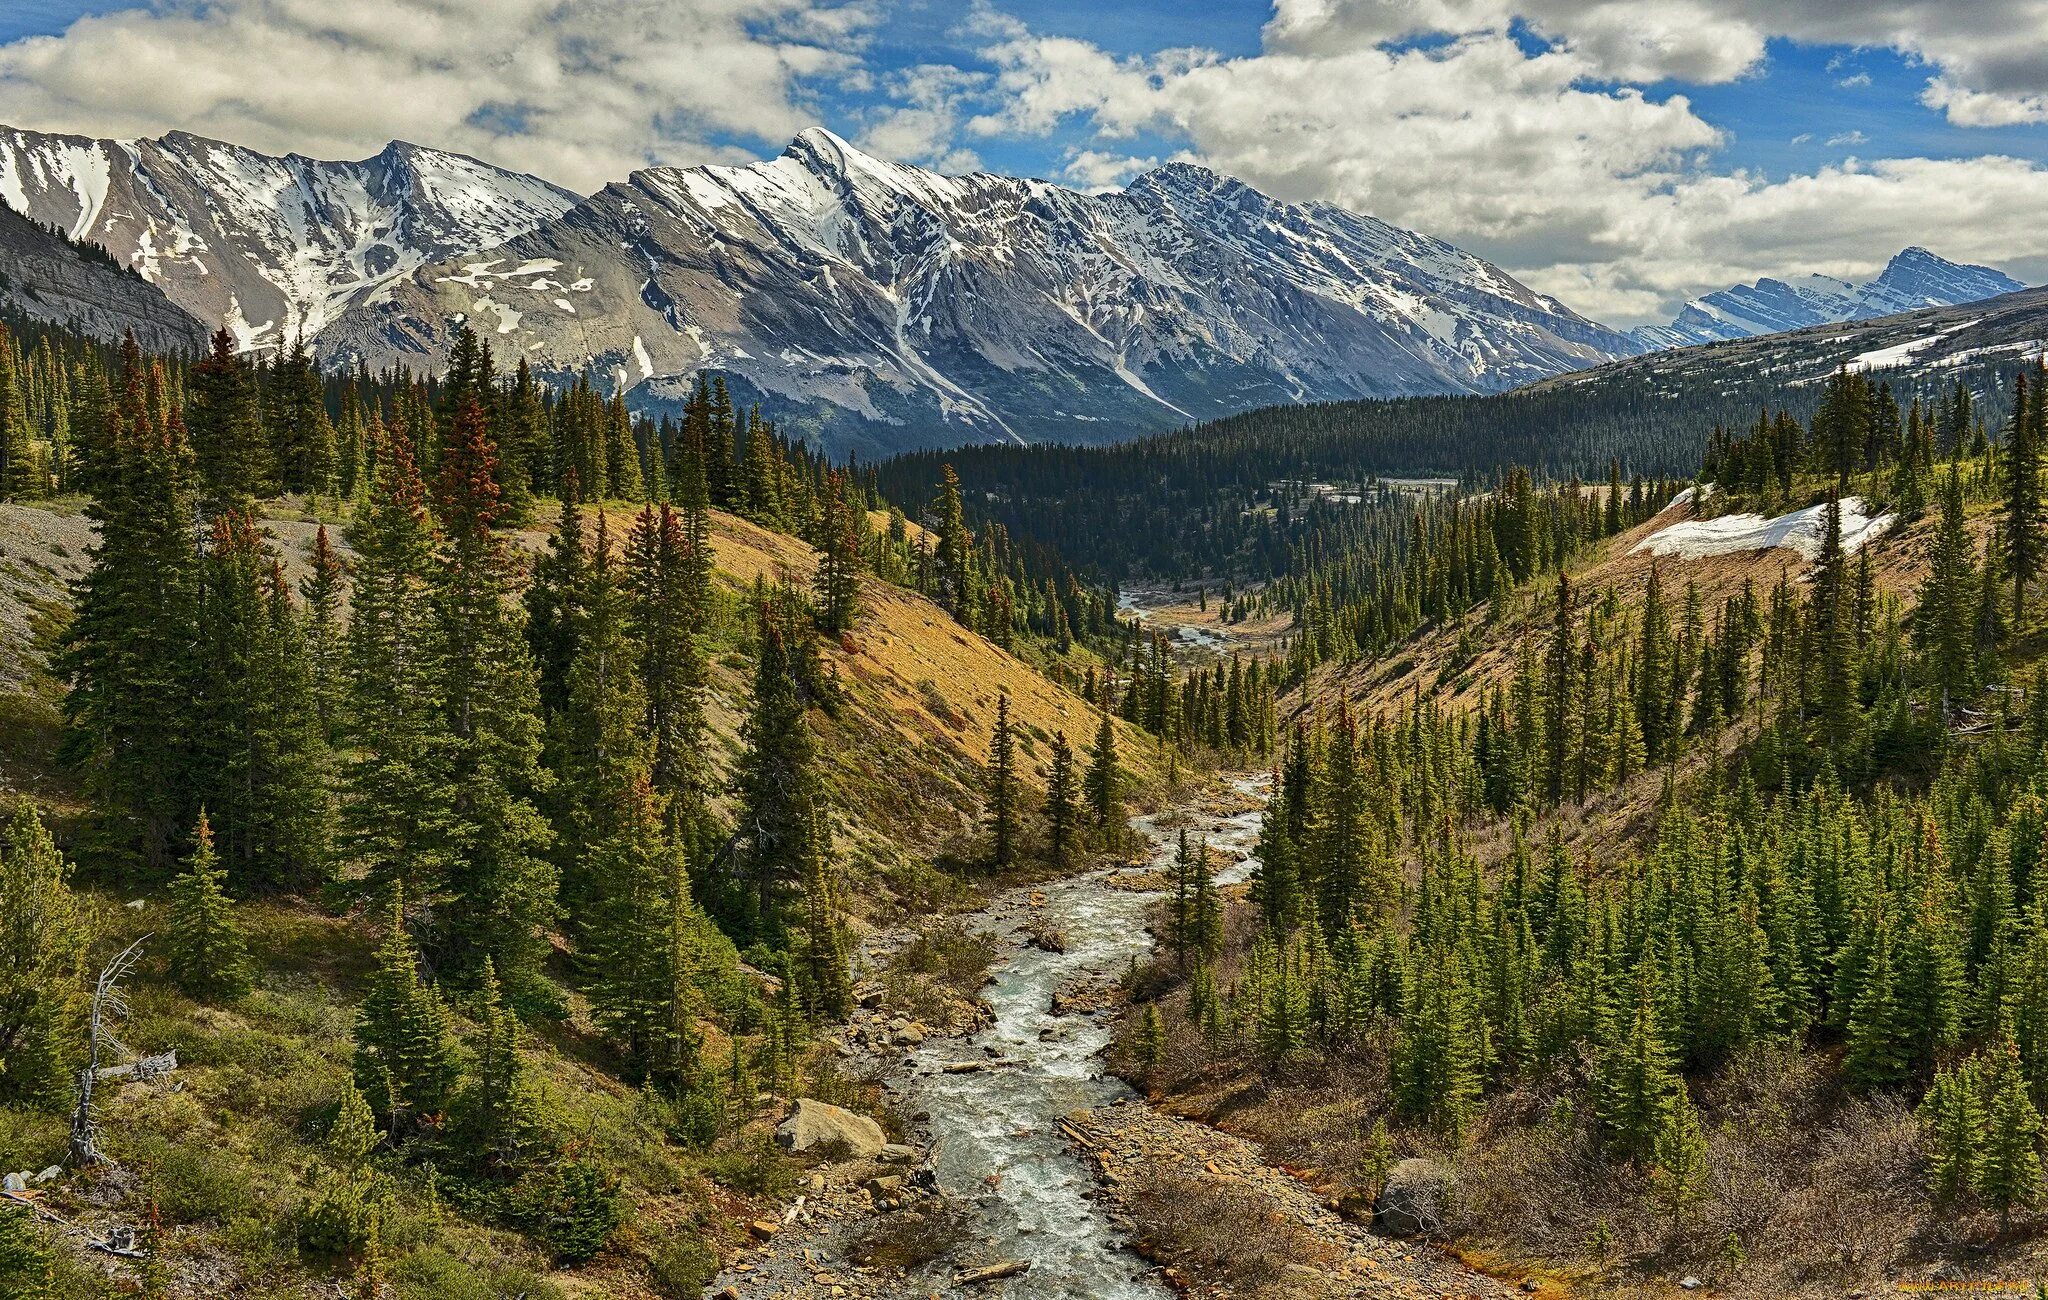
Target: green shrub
[(758, 1167), (200, 1184), (682, 1267), (335, 1220), (571, 1207)]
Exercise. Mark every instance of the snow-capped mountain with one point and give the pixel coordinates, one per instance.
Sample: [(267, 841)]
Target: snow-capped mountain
[(1915, 278), (882, 306), (269, 247)]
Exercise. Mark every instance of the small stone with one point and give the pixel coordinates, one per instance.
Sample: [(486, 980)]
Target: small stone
[(1690, 1283), (50, 1175), (1531, 1285), (14, 1183), (898, 1153), (764, 1228)]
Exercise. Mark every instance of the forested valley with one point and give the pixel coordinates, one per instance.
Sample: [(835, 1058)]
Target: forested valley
[(503, 789), (473, 796)]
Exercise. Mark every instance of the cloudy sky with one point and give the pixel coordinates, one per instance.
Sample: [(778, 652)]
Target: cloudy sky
[(1622, 154)]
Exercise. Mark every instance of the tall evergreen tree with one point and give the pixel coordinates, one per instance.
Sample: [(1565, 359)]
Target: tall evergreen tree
[(1062, 814), (1002, 787), (405, 1057), (130, 652), (501, 887)]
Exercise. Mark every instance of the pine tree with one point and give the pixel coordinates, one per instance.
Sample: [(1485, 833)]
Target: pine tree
[(1105, 774), (500, 887), (405, 1058), (2009, 1164), (2023, 522), (1062, 817), (130, 652), (209, 958), (1002, 787), (44, 933), (233, 455)]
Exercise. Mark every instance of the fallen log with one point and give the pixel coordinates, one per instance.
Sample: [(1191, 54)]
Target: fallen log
[(992, 1272)]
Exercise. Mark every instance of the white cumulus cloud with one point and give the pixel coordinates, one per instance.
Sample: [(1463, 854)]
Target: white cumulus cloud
[(578, 93)]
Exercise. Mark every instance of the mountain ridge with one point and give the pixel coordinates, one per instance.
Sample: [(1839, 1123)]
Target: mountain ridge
[(1913, 278), (269, 247), (879, 306)]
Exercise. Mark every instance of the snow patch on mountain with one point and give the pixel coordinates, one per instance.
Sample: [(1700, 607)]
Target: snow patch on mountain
[(883, 306), (236, 236)]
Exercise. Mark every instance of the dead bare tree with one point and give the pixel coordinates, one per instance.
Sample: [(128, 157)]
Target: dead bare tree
[(108, 1003)]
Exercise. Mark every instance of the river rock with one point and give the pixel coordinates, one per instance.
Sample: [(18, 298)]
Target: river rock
[(898, 1153), (1417, 1194), (831, 1130)]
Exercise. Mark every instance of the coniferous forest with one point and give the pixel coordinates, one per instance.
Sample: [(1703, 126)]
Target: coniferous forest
[(474, 757), (496, 767)]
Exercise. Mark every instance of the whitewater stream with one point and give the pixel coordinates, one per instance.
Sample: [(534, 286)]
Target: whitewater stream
[(997, 1149)]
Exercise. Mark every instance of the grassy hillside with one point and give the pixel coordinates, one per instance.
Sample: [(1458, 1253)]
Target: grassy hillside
[(219, 1160)]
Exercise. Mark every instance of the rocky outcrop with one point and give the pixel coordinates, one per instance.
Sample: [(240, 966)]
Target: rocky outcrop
[(817, 1127), (46, 277)]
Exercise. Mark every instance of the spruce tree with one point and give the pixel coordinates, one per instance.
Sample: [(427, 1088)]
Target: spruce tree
[(1953, 1115), (1945, 616), (2023, 532), (500, 887), (1635, 1085), (781, 796), (261, 754), (228, 442), (1062, 816), (628, 926), (326, 643), (405, 1057), (666, 621), (209, 959), (497, 1117), (1002, 787), (130, 653), (1105, 778), (836, 586), (2009, 1164), (28, 1267), (396, 782)]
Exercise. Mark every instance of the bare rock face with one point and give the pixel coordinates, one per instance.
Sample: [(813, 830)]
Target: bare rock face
[(1417, 1194), (833, 1131), (47, 278)]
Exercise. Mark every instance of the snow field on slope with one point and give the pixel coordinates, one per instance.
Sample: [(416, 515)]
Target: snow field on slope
[(1801, 531)]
